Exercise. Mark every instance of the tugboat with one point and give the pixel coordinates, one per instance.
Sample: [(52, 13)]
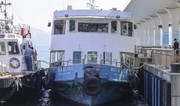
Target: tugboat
[(85, 56), (16, 82)]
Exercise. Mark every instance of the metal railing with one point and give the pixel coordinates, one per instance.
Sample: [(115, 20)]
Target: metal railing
[(67, 62), (39, 64), (82, 61)]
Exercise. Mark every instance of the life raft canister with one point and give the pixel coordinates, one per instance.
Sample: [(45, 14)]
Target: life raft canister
[(14, 63)]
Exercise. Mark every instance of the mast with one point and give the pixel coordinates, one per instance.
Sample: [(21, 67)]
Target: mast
[(91, 4), (6, 23), (4, 11)]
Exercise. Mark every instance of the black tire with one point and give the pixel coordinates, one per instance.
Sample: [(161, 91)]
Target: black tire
[(92, 86)]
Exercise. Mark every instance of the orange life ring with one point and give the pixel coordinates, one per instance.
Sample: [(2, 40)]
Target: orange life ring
[(11, 63)]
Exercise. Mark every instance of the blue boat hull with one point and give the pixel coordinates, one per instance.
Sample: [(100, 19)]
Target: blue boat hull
[(110, 91), (15, 89), (86, 86)]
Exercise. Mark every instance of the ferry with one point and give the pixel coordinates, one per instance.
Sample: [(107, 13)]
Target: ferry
[(85, 55), (16, 82)]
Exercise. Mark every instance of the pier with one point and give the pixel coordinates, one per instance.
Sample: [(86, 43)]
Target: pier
[(157, 23), (160, 78)]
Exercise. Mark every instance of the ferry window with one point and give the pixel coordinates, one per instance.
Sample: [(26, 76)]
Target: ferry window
[(126, 28), (13, 47), (92, 27), (56, 57), (77, 57), (92, 57), (2, 48), (113, 26), (72, 26), (107, 58), (59, 27)]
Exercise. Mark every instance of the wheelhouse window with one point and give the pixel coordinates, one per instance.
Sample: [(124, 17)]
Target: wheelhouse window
[(76, 57), (92, 57), (126, 28), (113, 26), (56, 58), (107, 58), (59, 27), (92, 27), (2, 48), (13, 47), (72, 25)]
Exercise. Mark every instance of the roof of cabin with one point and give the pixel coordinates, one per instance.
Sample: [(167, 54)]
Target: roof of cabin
[(112, 14)]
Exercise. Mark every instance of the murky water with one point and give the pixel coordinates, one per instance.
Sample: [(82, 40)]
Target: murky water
[(46, 100)]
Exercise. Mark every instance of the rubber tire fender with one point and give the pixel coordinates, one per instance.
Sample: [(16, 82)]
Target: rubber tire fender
[(89, 81)]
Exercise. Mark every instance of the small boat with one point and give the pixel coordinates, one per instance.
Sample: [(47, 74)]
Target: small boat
[(85, 56), (16, 82)]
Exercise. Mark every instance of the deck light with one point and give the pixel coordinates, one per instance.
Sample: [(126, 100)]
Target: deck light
[(49, 24), (117, 16), (66, 15), (159, 26)]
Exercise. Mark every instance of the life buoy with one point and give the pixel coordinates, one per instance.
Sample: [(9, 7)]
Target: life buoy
[(14, 63)]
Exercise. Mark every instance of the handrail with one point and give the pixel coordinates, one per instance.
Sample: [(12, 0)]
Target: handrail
[(38, 64)]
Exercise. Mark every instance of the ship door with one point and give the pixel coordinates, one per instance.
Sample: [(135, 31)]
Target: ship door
[(107, 58), (76, 57)]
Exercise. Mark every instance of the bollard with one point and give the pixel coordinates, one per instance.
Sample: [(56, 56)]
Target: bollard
[(175, 67)]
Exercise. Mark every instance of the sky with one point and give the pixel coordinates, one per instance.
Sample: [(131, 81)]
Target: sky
[(37, 13)]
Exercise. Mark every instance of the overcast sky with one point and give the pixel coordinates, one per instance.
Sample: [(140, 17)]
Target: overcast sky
[(37, 13)]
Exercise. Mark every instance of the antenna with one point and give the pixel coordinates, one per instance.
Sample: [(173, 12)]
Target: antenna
[(91, 4), (4, 11)]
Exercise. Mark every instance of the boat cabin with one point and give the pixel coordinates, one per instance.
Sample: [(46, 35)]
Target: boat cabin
[(81, 34), (13, 42)]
